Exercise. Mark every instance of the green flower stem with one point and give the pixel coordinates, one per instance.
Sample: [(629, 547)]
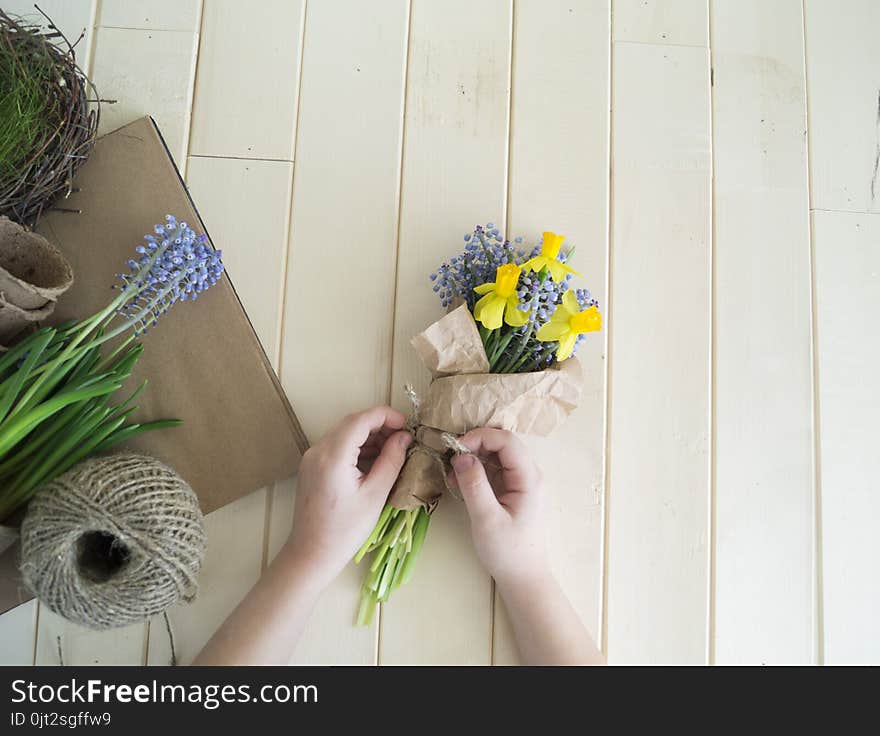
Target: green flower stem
[(396, 541), (485, 246), (517, 367), (498, 354), (515, 357)]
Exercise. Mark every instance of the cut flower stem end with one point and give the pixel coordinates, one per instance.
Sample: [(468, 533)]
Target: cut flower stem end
[(395, 544)]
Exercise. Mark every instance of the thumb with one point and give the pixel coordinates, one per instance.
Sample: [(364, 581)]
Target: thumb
[(474, 486), (387, 466)]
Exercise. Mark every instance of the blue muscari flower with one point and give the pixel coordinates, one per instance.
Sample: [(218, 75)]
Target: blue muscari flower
[(485, 249), (178, 267)]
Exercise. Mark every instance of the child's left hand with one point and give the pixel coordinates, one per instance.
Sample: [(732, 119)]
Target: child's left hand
[(344, 481)]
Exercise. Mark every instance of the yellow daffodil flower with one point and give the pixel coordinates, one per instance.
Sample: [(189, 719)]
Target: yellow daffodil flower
[(567, 322), (500, 299), (549, 258)]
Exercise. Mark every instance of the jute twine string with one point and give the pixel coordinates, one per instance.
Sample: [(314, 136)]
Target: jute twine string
[(113, 541), (450, 441)]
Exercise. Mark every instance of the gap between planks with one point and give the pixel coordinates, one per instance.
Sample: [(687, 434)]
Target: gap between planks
[(713, 346), (285, 255), (399, 195), (818, 608)]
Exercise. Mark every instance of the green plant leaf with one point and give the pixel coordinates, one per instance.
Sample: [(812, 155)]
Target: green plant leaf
[(15, 431), (11, 356), (44, 434), (21, 375), (126, 433)]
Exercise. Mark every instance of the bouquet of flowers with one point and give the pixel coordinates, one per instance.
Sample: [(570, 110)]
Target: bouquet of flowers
[(56, 384), (501, 357)]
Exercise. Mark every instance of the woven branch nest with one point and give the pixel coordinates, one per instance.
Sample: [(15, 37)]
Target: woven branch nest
[(72, 110)]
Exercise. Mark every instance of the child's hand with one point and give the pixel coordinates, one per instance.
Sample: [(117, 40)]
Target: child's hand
[(501, 487), (344, 481)]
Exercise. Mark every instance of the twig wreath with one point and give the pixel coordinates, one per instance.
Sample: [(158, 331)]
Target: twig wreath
[(49, 115)]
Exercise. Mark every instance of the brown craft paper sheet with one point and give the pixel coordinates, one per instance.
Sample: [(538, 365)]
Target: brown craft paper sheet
[(204, 361), (452, 345), (460, 400)]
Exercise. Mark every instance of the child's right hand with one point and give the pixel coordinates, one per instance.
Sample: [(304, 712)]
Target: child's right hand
[(501, 487)]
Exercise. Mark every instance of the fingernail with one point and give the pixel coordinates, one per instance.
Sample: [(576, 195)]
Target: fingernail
[(405, 439), (462, 462)]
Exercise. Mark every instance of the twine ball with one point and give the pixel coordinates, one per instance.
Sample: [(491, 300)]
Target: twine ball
[(113, 541)]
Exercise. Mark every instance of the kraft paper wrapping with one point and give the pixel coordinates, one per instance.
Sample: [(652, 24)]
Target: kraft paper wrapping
[(452, 345), (464, 395)]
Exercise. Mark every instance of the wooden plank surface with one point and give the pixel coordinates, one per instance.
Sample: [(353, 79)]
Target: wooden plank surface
[(660, 356), (157, 15), (847, 284), (843, 69), (343, 243), (17, 632), (775, 593), (147, 73), (559, 181), (679, 22), (71, 17), (248, 222), (454, 176), (246, 88), (844, 133), (232, 565), (61, 642), (764, 589)]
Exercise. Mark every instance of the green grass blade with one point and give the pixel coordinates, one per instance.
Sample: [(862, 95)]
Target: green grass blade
[(21, 375), (64, 419), (46, 383), (41, 466), (13, 355), (118, 349), (134, 430), (15, 431), (78, 447)]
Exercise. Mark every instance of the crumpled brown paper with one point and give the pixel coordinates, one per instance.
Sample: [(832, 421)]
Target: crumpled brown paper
[(465, 395)]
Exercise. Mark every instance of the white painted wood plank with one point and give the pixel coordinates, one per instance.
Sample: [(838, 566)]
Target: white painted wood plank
[(17, 635), (245, 206), (764, 582), (246, 89), (454, 176), (148, 73), (559, 181), (71, 17), (342, 252), (280, 516), (80, 646), (157, 15), (660, 353), (843, 72), (847, 288), (683, 22), (232, 565), (345, 210), (249, 223)]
